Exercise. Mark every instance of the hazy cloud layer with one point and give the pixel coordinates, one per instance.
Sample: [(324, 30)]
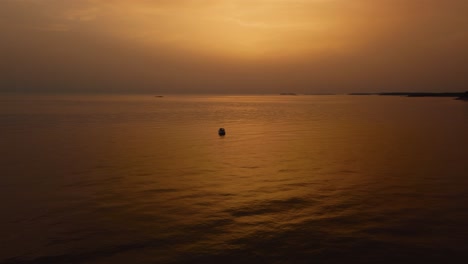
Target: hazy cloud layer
[(233, 46)]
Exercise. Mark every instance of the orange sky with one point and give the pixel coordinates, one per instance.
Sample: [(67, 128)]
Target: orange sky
[(233, 46)]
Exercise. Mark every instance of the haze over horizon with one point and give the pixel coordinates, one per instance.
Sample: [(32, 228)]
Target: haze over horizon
[(233, 46)]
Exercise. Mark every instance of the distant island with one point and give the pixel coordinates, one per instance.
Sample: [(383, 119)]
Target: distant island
[(158, 96), (458, 96), (288, 94)]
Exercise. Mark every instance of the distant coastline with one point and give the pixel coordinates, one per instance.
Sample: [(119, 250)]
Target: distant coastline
[(456, 95)]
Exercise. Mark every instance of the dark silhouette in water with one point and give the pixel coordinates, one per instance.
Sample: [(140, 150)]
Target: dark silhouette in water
[(221, 132)]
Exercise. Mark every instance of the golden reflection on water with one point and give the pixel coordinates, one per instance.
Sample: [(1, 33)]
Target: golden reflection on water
[(130, 171), (260, 160)]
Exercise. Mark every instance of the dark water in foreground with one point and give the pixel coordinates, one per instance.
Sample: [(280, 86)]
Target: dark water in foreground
[(307, 179)]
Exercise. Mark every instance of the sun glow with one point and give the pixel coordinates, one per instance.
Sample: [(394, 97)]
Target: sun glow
[(235, 45), (234, 28)]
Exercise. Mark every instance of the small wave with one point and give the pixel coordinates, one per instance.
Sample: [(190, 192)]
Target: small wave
[(168, 190), (270, 207)]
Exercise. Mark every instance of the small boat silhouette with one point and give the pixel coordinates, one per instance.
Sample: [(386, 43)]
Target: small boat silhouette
[(221, 132)]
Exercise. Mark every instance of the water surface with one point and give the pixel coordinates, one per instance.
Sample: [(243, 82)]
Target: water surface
[(297, 179)]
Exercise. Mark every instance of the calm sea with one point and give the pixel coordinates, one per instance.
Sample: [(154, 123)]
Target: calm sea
[(296, 179)]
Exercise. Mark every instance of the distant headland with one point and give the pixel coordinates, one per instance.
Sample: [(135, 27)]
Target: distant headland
[(457, 96)]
